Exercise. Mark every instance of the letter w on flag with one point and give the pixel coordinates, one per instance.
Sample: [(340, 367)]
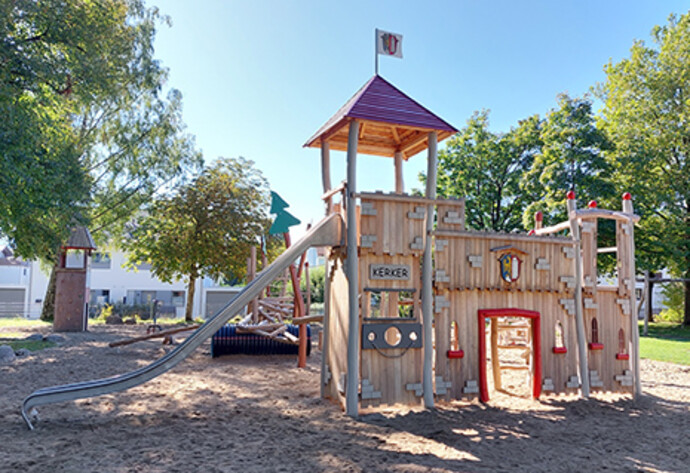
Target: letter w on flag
[(389, 44)]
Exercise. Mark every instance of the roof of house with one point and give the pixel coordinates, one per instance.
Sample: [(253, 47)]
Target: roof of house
[(7, 258), (390, 122)]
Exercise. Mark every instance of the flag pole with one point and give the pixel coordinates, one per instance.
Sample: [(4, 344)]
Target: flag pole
[(376, 51)]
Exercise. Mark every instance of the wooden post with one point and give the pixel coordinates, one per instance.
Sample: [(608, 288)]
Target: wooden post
[(647, 294), (495, 365), (634, 328), (427, 295), (308, 284), (326, 173), (298, 310), (579, 316), (251, 274), (352, 269), (399, 185)]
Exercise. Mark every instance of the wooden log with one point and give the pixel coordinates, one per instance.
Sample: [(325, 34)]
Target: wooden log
[(164, 333), (307, 319), (494, 354)]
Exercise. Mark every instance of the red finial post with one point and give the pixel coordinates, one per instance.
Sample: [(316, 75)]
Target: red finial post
[(570, 195), (592, 204), (538, 220), (627, 196)]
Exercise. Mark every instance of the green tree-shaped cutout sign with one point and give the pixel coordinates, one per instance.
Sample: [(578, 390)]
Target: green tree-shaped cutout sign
[(284, 219)]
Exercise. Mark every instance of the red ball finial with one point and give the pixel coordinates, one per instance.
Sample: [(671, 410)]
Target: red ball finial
[(627, 196), (531, 232), (539, 217), (592, 204), (570, 195)]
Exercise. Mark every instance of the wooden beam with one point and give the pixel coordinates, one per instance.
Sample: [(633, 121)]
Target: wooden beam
[(153, 335), (396, 136)]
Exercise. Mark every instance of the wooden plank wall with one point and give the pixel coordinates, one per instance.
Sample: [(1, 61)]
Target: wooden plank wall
[(338, 326), (451, 215), (396, 223), (454, 252), (611, 320), (467, 285), (464, 307)]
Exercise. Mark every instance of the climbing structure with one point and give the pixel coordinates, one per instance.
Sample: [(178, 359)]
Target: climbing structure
[(403, 327)]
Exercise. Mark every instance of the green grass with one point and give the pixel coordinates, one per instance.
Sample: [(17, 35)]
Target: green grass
[(32, 345), (22, 322), (666, 342)]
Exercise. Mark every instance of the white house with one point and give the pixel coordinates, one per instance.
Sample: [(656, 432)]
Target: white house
[(23, 286)]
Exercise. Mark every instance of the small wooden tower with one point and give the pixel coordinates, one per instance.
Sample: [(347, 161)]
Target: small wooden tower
[(388, 241), (71, 285)]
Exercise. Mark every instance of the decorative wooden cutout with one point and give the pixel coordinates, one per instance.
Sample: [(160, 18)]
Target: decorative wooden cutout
[(441, 276), (626, 379), (573, 382), (327, 375), (368, 390), (568, 280), (441, 244), (590, 304), (416, 387), (368, 241), (475, 260), (588, 282), (542, 264), (471, 387), (568, 305), (453, 218), (442, 386), (440, 303), (625, 305), (547, 385), (568, 251), (368, 209), (418, 214), (417, 244), (594, 380), (588, 227)]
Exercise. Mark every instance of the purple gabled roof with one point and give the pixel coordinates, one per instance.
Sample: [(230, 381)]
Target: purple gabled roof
[(380, 101)]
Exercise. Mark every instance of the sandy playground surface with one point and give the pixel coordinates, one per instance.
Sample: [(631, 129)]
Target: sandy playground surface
[(262, 414)]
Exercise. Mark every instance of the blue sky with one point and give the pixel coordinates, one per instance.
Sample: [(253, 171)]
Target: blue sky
[(260, 77)]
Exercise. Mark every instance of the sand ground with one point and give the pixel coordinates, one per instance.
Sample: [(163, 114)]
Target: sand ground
[(262, 414)]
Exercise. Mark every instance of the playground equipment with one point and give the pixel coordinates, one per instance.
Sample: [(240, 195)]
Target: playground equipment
[(328, 232), (402, 327)]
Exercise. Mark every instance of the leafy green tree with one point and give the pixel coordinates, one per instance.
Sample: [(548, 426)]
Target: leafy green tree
[(205, 228), (485, 168), (90, 135), (572, 157), (647, 114)]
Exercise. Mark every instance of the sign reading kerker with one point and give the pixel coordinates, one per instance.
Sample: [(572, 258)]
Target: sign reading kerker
[(396, 272)]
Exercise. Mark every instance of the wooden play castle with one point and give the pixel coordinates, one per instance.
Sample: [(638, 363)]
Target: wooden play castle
[(416, 305)]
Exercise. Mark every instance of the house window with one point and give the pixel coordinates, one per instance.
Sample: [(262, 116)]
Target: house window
[(178, 298), (143, 266), (100, 261), (595, 330)]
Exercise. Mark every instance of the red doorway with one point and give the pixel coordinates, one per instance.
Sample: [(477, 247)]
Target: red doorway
[(535, 319)]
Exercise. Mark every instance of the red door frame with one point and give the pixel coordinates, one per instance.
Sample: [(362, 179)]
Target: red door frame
[(535, 317)]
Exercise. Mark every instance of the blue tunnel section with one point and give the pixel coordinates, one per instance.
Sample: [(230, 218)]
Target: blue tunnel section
[(227, 341)]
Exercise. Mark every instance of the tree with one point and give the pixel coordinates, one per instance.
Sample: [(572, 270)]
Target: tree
[(205, 228), (485, 168), (571, 158), (647, 114), (90, 134)]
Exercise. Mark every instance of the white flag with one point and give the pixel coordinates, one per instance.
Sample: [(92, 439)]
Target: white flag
[(389, 44)]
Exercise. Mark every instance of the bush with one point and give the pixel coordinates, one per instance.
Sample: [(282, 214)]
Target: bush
[(674, 299)]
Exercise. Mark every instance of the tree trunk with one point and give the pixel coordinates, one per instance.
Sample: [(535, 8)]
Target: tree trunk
[(48, 310), (190, 299), (686, 317)]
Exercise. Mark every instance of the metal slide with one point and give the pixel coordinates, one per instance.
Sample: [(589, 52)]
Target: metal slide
[(328, 232)]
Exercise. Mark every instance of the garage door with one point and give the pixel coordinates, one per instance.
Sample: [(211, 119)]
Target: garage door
[(11, 302)]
